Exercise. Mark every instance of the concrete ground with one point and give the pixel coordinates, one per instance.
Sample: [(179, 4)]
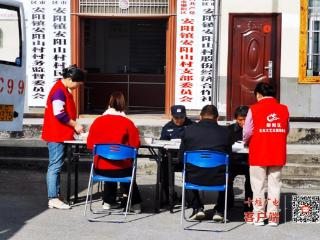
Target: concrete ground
[(24, 215)]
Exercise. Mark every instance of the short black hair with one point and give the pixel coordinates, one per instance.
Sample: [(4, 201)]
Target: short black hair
[(73, 72), (265, 89), (210, 111), (241, 111)]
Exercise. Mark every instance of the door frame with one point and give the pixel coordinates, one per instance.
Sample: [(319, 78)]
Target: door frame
[(77, 50), (277, 61)]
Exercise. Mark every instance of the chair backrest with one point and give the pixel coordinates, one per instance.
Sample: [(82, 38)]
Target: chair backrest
[(205, 168), (114, 151), (206, 158)]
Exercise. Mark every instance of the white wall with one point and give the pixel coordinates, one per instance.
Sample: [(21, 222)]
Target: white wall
[(303, 100), (290, 10)]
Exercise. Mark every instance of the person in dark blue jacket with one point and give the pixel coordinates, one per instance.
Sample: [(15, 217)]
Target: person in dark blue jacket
[(173, 130)]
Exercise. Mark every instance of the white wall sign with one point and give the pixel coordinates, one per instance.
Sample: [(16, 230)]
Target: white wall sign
[(194, 53), (48, 46)]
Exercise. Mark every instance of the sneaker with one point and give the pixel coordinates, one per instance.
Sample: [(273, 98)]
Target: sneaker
[(108, 206), (136, 208), (58, 204), (273, 224), (217, 217), (197, 214)]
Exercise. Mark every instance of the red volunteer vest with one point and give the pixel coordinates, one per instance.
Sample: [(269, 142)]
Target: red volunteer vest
[(267, 146), (53, 130)]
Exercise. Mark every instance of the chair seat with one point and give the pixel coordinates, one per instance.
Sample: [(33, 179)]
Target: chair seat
[(208, 164), (115, 152), (99, 178), (204, 188)]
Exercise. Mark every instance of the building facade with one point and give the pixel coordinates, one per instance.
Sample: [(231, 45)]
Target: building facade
[(132, 46)]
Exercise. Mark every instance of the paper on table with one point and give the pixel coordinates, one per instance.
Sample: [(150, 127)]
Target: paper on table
[(146, 140), (237, 146), (84, 136), (157, 141), (81, 136)]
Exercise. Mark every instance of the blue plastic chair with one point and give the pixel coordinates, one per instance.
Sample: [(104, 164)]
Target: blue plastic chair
[(114, 152), (204, 159)]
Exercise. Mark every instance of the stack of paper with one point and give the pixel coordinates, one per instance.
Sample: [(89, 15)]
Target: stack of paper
[(237, 146)]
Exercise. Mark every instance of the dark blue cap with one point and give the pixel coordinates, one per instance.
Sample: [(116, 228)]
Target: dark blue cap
[(178, 111)]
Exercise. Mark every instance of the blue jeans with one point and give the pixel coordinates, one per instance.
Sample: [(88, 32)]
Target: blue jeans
[(56, 152)]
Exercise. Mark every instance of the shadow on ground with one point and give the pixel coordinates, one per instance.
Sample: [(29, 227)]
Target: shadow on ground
[(23, 196)]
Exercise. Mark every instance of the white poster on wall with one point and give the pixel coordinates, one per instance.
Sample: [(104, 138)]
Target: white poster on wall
[(48, 46), (194, 53)]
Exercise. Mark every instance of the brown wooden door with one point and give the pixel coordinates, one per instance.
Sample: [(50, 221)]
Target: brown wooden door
[(254, 45)]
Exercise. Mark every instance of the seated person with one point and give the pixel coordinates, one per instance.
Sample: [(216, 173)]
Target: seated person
[(175, 127), (115, 127), (173, 130), (239, 161), (205, 135)]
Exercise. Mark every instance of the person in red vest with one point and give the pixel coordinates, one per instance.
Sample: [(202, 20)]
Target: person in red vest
[(265, 130), (114, 127), (60, 125)]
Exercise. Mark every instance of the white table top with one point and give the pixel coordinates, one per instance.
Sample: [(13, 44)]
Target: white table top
[(170, 145), (83, 142), (79, 142)]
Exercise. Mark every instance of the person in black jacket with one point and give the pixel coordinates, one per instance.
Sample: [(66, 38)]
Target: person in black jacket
[(239, 161), (206, 135), (173, 130)]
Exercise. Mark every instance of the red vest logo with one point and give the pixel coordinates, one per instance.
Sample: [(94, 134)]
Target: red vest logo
[(272, 117)]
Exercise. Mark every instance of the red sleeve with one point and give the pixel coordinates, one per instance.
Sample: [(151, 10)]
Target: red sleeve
[(134, 139), (92, 134)]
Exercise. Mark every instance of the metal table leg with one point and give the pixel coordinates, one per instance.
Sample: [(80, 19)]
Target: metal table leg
[(158, 194), (69, 166), (171, 181), (157, 197), (76, 173)]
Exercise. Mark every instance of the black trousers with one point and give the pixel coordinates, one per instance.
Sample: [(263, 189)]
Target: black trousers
[(110, 188), (196, 202), (177, 166), (234, 170), (206, 177), (241, 170)]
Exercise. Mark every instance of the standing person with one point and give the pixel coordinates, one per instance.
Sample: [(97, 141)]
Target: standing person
[(206, 135), (60, 125), (114, 127), (239, 161), (173, 130), (265, 130)]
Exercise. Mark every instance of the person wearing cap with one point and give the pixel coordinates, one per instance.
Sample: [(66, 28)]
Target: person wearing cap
[(173, 130), (59, 125), (207, 134)]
